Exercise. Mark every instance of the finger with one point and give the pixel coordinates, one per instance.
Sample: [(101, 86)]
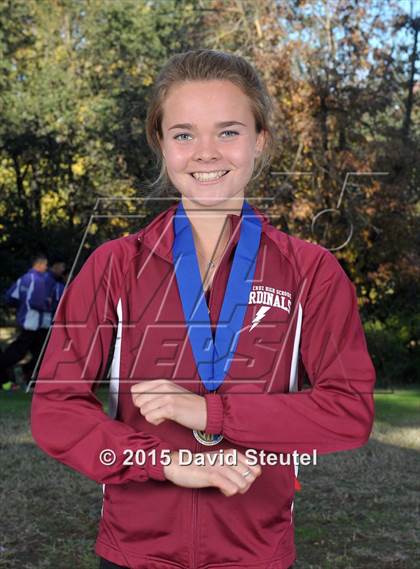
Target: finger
[(152, 392), (237, 475), (155, 417), (150, 385), (141, 399), (163, 403), (142, 386), (243, 474), (233, 481), (255, 468), (221, 480), (242, 462)]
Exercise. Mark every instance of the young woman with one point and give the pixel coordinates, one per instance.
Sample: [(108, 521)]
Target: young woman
[(213, 316)]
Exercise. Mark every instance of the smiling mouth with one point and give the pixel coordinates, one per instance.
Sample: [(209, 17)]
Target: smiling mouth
[(209, 179)]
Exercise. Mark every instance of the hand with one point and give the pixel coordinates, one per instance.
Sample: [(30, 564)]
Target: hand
[(161, 399), (228, 479)]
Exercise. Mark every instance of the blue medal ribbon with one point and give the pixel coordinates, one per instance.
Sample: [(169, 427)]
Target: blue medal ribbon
[(213, 358)]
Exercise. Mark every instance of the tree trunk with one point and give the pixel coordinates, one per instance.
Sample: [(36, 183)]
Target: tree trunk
[(411, 81)]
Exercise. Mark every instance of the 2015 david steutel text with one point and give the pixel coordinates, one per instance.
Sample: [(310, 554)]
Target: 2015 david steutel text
[(221, 457)]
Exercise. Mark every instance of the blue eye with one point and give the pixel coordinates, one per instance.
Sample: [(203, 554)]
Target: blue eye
[(234, 132), (186, 134), (182, 134)]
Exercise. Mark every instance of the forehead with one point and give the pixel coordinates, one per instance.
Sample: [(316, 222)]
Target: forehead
[(204, 102)]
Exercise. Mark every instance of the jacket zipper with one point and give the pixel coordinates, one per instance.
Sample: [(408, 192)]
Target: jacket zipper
[(202, 391), (194, 521), (195, 504)]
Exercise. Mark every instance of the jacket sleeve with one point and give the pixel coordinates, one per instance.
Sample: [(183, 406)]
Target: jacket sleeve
[(337, 412), (58, 292), (12, 294), (67, 419)]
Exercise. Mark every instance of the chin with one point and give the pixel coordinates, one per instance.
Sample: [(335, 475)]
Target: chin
[(206, 199), (219, 203)]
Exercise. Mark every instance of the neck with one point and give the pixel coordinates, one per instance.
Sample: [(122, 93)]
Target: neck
[(210, 225)]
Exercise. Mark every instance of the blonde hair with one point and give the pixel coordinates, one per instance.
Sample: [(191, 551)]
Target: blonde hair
[(208, 64)]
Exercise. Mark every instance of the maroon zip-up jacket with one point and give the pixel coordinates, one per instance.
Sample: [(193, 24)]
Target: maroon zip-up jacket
[(302, 317)]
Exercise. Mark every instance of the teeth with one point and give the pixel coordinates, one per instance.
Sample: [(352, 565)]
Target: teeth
[(207, 176)]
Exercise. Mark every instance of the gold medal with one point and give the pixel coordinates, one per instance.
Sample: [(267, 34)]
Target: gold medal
[(207, 438)]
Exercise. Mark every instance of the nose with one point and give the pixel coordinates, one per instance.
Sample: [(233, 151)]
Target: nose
[(206, 150)]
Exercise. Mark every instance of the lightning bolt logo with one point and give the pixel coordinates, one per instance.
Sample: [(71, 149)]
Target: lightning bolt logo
[(259, 316)]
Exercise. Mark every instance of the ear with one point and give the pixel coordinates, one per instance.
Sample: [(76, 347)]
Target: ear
[(261, 142)]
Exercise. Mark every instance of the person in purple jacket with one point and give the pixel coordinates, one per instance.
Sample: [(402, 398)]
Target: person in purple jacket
[(214, 318), (54, 283), (29, 296)]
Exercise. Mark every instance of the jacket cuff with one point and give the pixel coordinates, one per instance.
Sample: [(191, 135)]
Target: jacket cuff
[(215, 413), (155, 463)]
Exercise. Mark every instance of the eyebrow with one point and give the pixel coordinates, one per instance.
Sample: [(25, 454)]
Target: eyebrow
[(219, 125)]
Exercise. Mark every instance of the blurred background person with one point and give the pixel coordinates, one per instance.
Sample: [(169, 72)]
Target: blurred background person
[(55, 281), (54, 284), (29, 295)]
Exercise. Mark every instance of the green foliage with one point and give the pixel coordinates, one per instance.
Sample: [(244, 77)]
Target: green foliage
[(74, 87), (72, 108), (395, 348)]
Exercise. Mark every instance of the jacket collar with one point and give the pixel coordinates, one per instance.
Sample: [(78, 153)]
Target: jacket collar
[(158, 236), (33, 271)]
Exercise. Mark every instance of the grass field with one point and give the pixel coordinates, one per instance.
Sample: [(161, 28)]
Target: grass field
[(357, 509)]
